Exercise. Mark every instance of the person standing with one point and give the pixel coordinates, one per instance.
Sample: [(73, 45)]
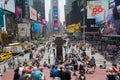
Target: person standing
[(81, 77), (16, 74), (67, 74), (55, 72), (93, 63), (23, 76), (61, 74), (36, 74)]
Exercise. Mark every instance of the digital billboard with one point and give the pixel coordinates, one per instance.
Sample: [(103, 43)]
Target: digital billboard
[(2, 4), (36, 27), (18, 13), (10, 5), (96, 7), (55, 14)]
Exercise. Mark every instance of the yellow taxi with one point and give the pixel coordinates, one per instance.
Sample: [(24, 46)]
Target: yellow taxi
[(1, 51), (4, 57), (25, 47), (9, 52)]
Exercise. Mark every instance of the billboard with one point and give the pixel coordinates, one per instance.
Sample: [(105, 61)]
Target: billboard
[(1, 18), (36, 27), (56, 28), (74, 28), (9, 5), (96, 7), (55, 14), (2, 4), (18, 13), (22, 30), (33, 13), (31, 2)]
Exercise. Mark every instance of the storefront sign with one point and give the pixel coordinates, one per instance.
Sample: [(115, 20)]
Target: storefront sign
[(33, 14)]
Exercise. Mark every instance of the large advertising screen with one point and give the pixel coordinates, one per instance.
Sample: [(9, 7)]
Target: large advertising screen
[(96, 7), (18, 13), (9, 5), (36, 27), (2, 4)]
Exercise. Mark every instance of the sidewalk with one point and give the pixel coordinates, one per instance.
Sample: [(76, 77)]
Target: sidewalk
[(99, 58)]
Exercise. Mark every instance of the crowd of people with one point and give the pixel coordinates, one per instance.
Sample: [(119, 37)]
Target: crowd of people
[(75, 63)]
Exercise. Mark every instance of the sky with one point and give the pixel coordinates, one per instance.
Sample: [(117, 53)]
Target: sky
[(61, 9)]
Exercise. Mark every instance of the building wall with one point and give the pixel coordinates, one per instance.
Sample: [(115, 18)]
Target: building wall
[(39, 5)]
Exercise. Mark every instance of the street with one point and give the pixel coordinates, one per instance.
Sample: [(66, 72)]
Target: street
[(101, 73)]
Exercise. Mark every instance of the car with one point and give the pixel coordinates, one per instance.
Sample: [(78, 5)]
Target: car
[(4, 57), (1, 51), (25, 47), (9, 52)]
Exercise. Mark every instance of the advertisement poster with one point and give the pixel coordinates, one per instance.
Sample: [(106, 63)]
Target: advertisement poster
[(18, 13), (33, 13), (37, 28), (96, 7), (10, 5), (2, 4), (1, 18), (0, 38), (22, 30)]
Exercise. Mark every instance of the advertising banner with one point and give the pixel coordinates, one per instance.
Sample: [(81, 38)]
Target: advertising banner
[(2, 4), (117, 2), (56, 28), (71, 28), (74, 28), (0, 37), (44, 21), (37, 27), (100, 17), (33, 13), (96, 7), (31, 2), (18, 13), (10, 5), (22, 30), (1, 18)]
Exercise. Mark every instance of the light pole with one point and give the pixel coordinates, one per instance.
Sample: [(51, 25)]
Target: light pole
[(84, 26)]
